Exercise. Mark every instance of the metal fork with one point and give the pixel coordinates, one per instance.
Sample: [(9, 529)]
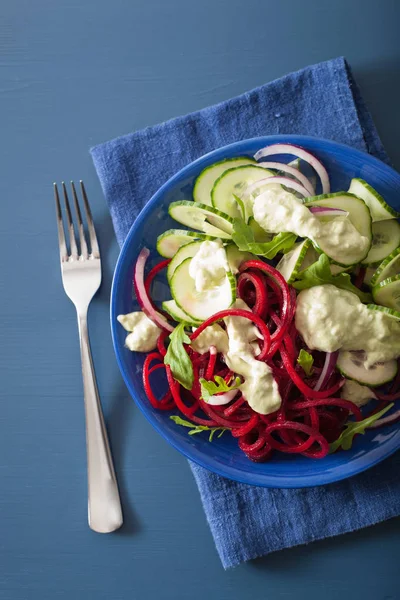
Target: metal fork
[(81, 276)]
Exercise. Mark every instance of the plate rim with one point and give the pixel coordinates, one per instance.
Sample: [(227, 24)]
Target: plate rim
[(260, 480)]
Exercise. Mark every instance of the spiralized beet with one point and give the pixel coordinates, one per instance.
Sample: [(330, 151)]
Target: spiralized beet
[(166, 402), (303, 387), (176, 394), (281, 289), (260, 455), (154, 271), (314, 436), (330, 402), (211, 364), (161, 342), (260, 303), (252, 441), (232, 408), (237, 312), (219, 418), (251, 423), (311, 415)]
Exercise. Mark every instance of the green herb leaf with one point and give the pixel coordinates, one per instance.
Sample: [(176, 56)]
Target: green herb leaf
[(178, 359), (199, 428), (305, 360), (209, 388), (240, 204), (345, 439), (243, 236), (283, 242), (179, 421), (319, 273)]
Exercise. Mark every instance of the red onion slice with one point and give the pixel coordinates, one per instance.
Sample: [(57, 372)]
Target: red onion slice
[(292, 171), (324, 211), (387, 397), (329, 365), (386, 420), (286, 181), (141, 295), (220, 399), (300, 153)]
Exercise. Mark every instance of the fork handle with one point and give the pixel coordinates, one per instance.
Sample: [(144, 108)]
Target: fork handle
[(104, 506)]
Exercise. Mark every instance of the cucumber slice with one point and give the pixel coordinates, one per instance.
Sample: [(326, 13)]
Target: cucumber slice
[(388, 268), (186, 251), (295, 163), (241, 207), (292, 262), (310, 257), (201, 305), (233, 182), (260, 235), (393, 314), (205, 181), (358, 213), (380, 211), (351, 365), (179, 315), (387, 292), (199, 216), (385, 239), (169, 242), (236, 257)]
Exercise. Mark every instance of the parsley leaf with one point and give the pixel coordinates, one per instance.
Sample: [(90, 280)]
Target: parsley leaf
[(243, 236), (209, 388), (178, 359), (199, 428), (345, 439), (305, 360), (319, 273)]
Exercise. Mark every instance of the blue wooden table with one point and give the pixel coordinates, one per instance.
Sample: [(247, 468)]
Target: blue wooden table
[(74, 73)]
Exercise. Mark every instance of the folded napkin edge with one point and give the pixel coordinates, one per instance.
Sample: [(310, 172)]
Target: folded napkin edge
[(340, 61), (231, 564)]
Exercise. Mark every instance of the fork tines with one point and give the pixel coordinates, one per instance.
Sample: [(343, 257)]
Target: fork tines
[(83, 252)]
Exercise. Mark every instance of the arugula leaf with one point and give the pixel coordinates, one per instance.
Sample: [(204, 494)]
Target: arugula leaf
[(345, 439), (283, 242), (199, 428), (209, 388), (319, 273), (305, 360), (243, 236), (240, 204), (178, 359)]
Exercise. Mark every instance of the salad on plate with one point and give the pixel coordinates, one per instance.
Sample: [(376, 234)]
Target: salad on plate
[(283, 327)]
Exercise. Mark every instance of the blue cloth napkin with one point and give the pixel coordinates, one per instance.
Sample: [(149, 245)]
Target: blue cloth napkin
[(324, 101)]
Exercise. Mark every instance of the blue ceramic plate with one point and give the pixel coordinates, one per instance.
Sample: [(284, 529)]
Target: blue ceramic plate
[(223, 455)]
